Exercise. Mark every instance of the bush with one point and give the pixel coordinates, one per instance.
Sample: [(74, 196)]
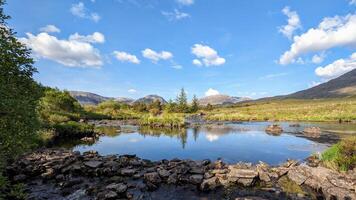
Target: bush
[(341, 156), (73, 130)]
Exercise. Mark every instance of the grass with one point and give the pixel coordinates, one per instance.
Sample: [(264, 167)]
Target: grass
[(288, 110), (164, 120), (341, 156)]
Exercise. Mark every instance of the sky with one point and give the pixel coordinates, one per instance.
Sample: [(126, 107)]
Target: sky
[(133, 48)]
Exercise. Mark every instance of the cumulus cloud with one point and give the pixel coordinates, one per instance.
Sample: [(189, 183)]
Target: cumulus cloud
[(126, 57), (71, 53), (186, 2), (177, 66), (331, 32), (293, 23), (207, 55), (132, 91), (211, 92), (81, 11), (337, 68), (156, 56), (175, 15), (197, 62), (272, 76), (50, 29), (96, 37), (317, 59)]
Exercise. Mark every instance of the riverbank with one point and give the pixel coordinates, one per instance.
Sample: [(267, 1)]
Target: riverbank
[(64, 174)]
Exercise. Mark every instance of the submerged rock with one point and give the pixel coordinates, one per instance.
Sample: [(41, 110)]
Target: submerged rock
[(313, 132)]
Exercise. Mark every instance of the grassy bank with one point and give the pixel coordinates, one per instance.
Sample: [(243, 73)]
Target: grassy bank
[(164, 120), (288, 110)]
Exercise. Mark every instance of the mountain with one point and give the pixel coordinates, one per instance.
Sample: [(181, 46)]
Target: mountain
[(220, 99), (87, 98), (125, 100), (150, 98), (342, 86)]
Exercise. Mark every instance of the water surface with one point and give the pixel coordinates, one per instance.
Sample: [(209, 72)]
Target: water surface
[(233, 142)]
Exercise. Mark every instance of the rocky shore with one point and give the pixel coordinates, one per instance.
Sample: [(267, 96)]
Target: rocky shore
[(64, 174)]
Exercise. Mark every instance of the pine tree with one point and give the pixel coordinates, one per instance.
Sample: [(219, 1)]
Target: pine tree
[(182, 101), (195, 104)]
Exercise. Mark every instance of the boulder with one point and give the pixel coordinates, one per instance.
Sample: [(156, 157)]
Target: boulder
[(313, 132), (196, 178), (274, 129), (127, 172), (209, 184), (163, 173), (117, 187), (152, 177), (245, 177)]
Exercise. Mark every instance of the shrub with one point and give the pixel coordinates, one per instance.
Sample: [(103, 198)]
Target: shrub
[(73, 129), (341, 156)]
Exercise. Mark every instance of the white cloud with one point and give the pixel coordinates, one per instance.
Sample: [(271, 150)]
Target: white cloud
[(272, 76), (126, 57), (315, 83), (50, 29), (293, 23), (96, 37), (67, 52), (317, 59), (197, 62), (132, 91), (211, 137), (337, 68), (207, 55), (352, 2), (186, 2), (211, 92), (81, 11), (177, 66), (332, 32), (175, 15), (156, 56)]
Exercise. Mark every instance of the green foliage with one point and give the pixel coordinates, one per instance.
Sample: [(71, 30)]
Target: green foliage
[(140, 107), (341, 156), (58, 106), (73, 129), (170, 107), (111, 110), (164, 120), (195, 105), (19, 95), (343, 109), (209, 107), (155, 108), (182, 105)]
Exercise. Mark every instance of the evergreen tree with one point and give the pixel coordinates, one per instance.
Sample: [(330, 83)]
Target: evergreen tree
[(182, 101), (170, 107), (195, 104)]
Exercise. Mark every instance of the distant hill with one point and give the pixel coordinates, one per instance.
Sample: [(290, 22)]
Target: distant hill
[(342, 86), (221, 100), (150, 98), (125, 100), (87, 98)]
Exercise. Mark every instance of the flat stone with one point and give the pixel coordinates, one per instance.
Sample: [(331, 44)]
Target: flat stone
[(117, 187), (209, 184), (242, 173), (93, 164), (163, 173), (298, 175), (127, 172), (110, 195)]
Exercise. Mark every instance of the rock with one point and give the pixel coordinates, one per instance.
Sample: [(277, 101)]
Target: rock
[(245, 177), (209, 184), (110, 195), (313, 132), (20, 177), (197, 170), (294, 125), (196, 178), (298, 175), (127, 172), (93, 164), (274, 129), (117, 187), (152, 177), (88, 139), (172, 179), (163, 173)]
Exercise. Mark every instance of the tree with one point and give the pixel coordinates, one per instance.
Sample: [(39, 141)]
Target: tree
[(195, 104), (182, 101), (19, 94), (170, 107), (209, 107), (155, 107)]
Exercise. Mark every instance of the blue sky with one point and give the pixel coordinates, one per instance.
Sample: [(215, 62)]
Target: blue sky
[(134, 48)]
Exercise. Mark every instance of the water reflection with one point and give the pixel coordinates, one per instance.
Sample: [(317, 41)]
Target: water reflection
[(232, 142)]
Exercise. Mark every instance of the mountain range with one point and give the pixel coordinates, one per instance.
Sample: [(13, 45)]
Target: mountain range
[(342, 86)]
